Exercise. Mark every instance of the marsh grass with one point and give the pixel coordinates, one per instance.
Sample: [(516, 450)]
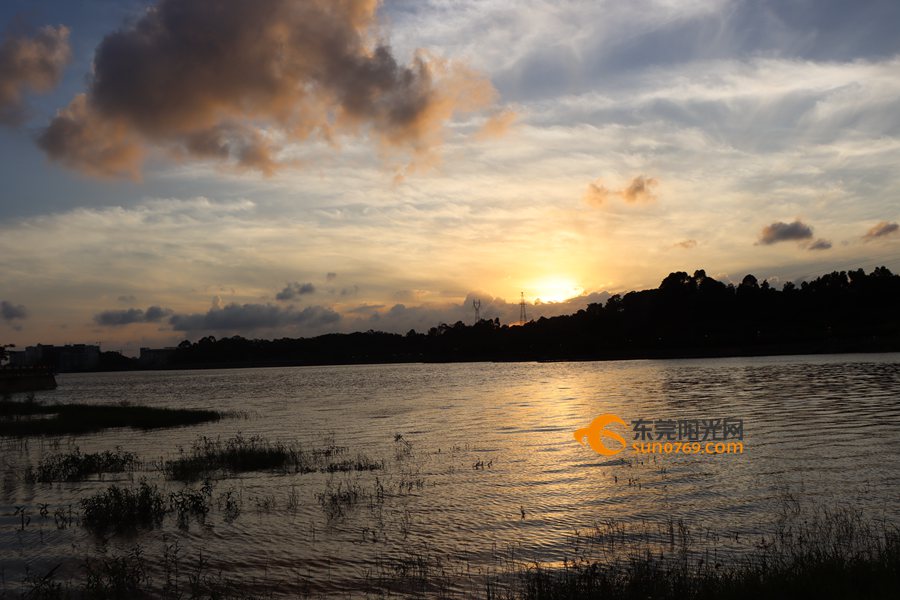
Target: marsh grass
[(830, 554), (30, 418), (129, 575), (126, 510), (241, 454), (189, 503), (120, 509), (75, 466), (338, 499)]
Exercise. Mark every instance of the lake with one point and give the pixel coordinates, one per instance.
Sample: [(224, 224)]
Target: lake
[(481, 468)]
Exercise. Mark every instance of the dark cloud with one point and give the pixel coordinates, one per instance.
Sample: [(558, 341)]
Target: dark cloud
[(687, 244), (330, 276), (156, 313), (248, 317), (637, 190), (31, 63), (117, 318), (882, 229), (820, 244), (783, 232), (294, 290), (127, 299), (10, 311), (233, 80), (366, 309)]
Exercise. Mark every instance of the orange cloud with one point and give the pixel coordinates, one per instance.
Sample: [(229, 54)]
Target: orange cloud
[(30, 63), (498, 124), (880, 230), (637, 190), (230, 82)]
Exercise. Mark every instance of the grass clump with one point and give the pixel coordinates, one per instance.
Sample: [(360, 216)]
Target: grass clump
[(75, 466), (122, 509), (360, 463), (237, 454), (255, 453), (834, 554), (20, 419), (188, 503)]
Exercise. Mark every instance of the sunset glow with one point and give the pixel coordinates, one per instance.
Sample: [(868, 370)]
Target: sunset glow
[(270, 192), (554, 289)]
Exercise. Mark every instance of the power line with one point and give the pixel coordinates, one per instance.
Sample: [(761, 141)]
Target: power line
[(522, 315)]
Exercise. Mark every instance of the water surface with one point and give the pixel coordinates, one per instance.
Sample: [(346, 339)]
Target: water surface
[(491, 469)]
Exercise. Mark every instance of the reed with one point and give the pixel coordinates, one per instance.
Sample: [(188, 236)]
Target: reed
[(831, 554), (120, 509), (75, 466), (238, 454)]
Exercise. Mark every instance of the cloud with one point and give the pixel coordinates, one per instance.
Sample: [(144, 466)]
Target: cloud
[(637, 190), (596, 194), (118, 318), (687, 244), (30, 63), (498, 124), (882, 229), (293, 290), (82, 139), (10, 311), (820, 244), (782, 232), (248, 317), (230, 82), (330, 276)]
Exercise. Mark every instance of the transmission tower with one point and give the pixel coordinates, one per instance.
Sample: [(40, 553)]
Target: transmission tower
[(522, 316), (476, 304)]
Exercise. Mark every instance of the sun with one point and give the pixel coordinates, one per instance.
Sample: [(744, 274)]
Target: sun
[(554, 288)]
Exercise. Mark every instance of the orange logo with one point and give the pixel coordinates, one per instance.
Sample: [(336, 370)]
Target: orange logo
[(597, 430)]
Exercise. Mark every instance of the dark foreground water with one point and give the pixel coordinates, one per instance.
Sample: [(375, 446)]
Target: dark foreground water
[(487, 472)]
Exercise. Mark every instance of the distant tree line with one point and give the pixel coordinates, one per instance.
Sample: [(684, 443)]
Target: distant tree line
[(687, 315)]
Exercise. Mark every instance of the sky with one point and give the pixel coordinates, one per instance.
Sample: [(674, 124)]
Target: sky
[(173, 170)]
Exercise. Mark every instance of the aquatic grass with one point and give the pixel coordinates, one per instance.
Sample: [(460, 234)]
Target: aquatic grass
[(833, 554), (188, 502), (254, 453), (122, 576), (32, 418), (130, 574), (360, 463), (121, 509), (338, 500), (236, 455), (75, 466)]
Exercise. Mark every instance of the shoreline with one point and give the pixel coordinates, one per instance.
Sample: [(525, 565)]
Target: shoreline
[(420, 361)]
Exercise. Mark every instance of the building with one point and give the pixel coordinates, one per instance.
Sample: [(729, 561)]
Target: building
[(61, 359), (155, 358)]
